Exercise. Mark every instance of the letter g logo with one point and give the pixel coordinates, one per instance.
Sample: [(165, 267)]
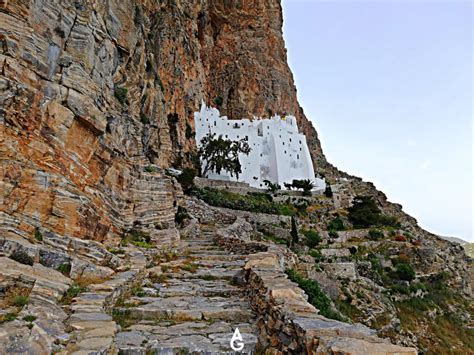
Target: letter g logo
[(236, 342)]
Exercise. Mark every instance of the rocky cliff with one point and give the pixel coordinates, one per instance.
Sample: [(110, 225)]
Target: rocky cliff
[(97, 100), (94, 92)]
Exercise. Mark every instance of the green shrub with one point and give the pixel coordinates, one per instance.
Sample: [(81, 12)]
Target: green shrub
[(121, 95), (138, 291), (315, 295), (72, 292), (134, 236), (316, 254), (260, 203), (405, 272), (29, 318), (38, 235), (64, 268), (312, 238), (375, 234), (336, 224), (275, 239), (365, 213), (8, 317), (20, 300), (150, 169), (189, 131), (218, 100), (333, 234), (144, 118), (142, 244)]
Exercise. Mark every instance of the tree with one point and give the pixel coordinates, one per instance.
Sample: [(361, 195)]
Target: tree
[(288, 186), (272, 187), (306, 185), (328, 190), (294, 233), (222, 154)]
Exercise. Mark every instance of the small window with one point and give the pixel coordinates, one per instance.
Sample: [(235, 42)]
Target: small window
[(300, 142), (226, 136), (283, 143), (285, 151), (215, 123), (237, 136), (297, 156), (261, 154), (290, 139)]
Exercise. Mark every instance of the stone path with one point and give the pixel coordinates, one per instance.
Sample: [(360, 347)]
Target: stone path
[(191, 303)]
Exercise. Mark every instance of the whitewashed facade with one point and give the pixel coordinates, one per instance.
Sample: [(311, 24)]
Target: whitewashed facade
[(279, 153)]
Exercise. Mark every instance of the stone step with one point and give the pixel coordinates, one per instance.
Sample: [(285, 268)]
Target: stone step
[(208, 274), (185, 338), (197, 287)]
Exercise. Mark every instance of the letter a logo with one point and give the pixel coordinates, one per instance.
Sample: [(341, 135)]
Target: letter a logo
[(236, 343)]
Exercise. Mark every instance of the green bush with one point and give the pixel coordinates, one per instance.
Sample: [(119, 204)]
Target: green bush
[(316, 296), (336, 224), (405, 272), (38, 235), (365, 213), (29, 318), (134, 236), (121, 95), (189, 131), (260, 203), (375, 234), (218, 100), (20, 300), (150, 169), (316, 254), (144, 118), (312, 238), (64, 268), (72, 292)]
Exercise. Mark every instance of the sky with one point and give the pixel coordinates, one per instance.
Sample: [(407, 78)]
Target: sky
[(388, 87)]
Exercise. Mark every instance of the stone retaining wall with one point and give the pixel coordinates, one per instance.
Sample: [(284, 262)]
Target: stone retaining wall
[(287, 322)]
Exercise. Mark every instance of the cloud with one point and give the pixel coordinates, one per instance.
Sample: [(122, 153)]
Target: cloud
[(411, 143)]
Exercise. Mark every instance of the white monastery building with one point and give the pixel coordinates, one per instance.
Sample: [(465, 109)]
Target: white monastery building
[(279, 153)]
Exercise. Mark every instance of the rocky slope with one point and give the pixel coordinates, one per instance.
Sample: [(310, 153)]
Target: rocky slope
[(96, 101)]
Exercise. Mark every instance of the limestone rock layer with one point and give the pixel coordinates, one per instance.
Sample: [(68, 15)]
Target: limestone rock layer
[(93, 92)]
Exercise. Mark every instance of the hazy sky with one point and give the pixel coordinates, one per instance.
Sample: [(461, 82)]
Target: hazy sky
[(388, 86)]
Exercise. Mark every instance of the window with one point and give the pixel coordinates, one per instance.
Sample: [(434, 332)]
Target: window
[(290, 139), (226, 136), (285, 151), (215, 123), (297, 156), (246, 138)]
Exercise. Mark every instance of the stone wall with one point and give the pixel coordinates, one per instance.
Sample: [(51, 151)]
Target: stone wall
[(287, 321)]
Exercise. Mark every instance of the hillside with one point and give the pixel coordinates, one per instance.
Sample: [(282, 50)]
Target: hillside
[(101, 251)]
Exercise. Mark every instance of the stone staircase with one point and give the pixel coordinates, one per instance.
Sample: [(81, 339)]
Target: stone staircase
[(192, 303)]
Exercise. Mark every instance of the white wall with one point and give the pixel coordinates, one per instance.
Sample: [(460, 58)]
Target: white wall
[(278, 152)]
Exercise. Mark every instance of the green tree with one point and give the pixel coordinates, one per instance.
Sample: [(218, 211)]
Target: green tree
[(306, 185), (222, 154), (328, 190), (294, 233), (272, 187)]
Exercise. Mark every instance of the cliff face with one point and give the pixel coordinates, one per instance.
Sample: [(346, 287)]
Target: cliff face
[(94, 92)]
